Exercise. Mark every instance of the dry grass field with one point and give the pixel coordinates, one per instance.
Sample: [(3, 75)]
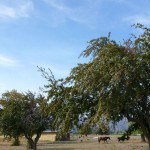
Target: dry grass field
[(89, 143)]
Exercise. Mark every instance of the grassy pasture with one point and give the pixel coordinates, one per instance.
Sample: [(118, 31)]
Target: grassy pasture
[(89, 143)]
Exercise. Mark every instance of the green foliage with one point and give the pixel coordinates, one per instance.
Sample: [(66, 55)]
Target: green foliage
[(10, 118), (117, 79), (16, 142), (85, 129), (133, 128), (24, 114), (102, 128), (62, 106), (114, 84)]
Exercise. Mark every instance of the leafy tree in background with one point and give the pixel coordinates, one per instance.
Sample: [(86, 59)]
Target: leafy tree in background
[(85, 129), (10, 124), (134, 128), (35, 119), (102, 127), (24, 114)]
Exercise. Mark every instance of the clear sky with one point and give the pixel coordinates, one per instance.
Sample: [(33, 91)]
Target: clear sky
[(53, 33)]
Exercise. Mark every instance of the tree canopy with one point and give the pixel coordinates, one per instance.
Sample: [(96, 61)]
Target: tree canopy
[(114, 84), (10, 116), (24, 114)]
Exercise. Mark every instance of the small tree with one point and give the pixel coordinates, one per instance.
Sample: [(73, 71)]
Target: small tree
[(102, 128), (85, 129), (24, 114), (10, 116), (34, 119)]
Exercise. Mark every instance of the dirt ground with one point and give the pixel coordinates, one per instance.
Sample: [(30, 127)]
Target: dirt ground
[(86, 143)]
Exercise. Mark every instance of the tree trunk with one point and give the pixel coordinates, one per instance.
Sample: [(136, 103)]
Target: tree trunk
[(31, 145), (149, 143), (16, 141), (146, 132), (143, 138)]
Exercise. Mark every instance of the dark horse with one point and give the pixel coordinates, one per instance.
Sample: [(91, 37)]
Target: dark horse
[(103, 139), (123, 138)]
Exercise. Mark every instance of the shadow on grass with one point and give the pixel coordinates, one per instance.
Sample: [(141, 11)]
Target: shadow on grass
[(56, 149)]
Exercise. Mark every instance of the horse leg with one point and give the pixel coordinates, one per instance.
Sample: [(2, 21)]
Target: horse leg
[(99, 140)]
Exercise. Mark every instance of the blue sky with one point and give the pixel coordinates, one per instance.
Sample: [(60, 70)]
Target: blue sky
[(53, 33)]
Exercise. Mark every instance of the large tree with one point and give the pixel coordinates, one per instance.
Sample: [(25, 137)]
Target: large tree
[(120, 75), (114, 84)]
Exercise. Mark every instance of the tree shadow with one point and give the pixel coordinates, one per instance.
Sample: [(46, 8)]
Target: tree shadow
[(56, 149)]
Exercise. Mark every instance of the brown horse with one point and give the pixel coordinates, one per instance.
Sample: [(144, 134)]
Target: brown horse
[(123, 138), (103, 139)]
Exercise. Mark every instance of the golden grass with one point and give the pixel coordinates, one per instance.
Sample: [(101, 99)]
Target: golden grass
[(89, 143)]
